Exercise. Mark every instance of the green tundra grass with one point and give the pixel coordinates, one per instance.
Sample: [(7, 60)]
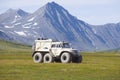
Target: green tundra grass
[(16, 64)]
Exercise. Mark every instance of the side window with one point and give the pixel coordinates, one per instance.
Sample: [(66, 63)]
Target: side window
[(56, 46), (45, 48), (53, 46)]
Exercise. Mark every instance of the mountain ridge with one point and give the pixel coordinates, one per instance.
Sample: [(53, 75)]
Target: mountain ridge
[(12, 15), (53, 21)]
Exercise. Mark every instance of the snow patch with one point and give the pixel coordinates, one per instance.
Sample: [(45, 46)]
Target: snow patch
[(94, 30), (35, 33), (17, 23), (21, 33), (35, 24), (31, 19), (8, 26), (17, 16), (15, 19), (26, 26)]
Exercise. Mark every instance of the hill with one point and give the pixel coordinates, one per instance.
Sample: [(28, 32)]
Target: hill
[(10, 47)]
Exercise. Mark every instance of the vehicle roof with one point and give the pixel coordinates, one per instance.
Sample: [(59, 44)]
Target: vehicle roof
[(61, 42)]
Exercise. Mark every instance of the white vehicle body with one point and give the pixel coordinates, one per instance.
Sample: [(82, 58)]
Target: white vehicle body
[(55, 50)]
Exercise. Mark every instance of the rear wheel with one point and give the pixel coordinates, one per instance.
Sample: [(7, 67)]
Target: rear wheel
[(38, 57), (65, 57), (48, 58)]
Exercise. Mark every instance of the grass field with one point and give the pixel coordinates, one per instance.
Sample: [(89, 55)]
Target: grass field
[(18, 65)]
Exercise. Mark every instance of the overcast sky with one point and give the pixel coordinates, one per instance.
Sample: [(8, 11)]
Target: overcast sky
[(91, 11)]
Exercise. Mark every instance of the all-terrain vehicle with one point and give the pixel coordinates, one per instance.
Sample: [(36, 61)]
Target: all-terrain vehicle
[(47, 51)]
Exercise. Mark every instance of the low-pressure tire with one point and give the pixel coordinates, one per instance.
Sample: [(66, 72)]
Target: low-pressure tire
[(65, 57), (47, 58), (38, 57), (77, 59)]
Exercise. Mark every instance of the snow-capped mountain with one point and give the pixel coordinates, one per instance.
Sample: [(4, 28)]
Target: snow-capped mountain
[(11, 16), (53, 21), (109, 34)]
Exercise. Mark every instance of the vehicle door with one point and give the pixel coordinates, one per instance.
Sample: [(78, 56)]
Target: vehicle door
[(56, 49)]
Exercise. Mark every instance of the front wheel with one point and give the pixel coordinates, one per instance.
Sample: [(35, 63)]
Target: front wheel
[(48, 58), (77, 59), (38, 57), (65, 57)]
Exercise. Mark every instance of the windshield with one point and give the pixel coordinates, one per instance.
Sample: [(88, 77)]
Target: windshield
[(66, 45)]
